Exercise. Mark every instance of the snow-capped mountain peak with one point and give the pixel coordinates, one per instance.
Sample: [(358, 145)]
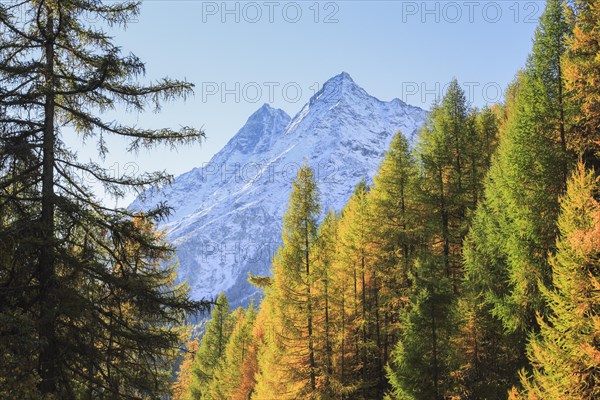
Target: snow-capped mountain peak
[(227, 214), (340, 87), (256, 135)]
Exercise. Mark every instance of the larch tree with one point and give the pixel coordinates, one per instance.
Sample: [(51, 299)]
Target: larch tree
[(453, 150), (344, 310), (212, 349), (356, 268), (420, 369), (545, 63), (522, 196), (396, 239), (272, 372), (58, 74), (228, 375), (325, 256), (581, 67), (514, 226), (512, 233), (442, 150), (185, 374), (565, 354), (291, 346), (249, 367)]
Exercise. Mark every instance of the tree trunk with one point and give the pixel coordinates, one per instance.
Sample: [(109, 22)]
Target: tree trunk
[(343, 351), (328, 349), (48, 358), (311, 353), (364, 327), (445, 233), (434, 355)]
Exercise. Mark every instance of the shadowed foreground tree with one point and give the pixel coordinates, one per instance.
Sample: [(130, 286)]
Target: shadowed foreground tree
[(86, 312)]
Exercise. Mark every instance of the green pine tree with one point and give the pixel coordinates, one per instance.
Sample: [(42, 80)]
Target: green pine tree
[(520, 209), (545, 64), (514, 226), (395, 209)]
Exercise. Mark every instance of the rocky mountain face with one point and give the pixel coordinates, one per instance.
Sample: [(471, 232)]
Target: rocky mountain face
[(227, 213)]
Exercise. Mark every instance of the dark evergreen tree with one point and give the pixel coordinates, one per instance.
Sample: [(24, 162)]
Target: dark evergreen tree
[(454, 150), (70, 271)]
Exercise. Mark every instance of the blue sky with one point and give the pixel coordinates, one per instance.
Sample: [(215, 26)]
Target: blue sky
[(243, 54)]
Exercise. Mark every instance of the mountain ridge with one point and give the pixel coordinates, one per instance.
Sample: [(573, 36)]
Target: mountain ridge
[(227, 213)]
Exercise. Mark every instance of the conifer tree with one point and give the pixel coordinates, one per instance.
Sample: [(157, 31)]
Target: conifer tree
[(486, 356), (58, 72), (249, 368), (521, 196), (442, 150), (362, 320), (514, 226), (273, 376), (290, 349), (516, 222), (325, 255), (507, 246), (185, 375), (420, 368), (212, 349), (454, 150), (345, 309), (395, 208), (566, 353), (544, 64), (482, 139), (396, 237), (582, 73), (228, 375)]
